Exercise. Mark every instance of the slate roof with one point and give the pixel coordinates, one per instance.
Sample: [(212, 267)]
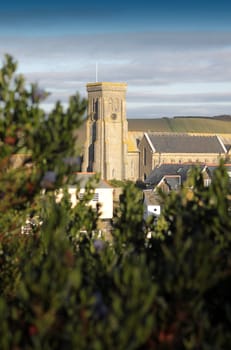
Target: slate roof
[(212, 168), (151, 198), (80, 178), (173, 182), (83, 179), (167, 170), (183, 143)]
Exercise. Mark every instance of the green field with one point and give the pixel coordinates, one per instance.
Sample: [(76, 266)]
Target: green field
[(181, 124)]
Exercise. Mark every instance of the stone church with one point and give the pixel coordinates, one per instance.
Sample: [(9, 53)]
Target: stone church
[(121, 148)]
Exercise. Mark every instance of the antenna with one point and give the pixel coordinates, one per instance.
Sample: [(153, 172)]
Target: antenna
[(96, 72)]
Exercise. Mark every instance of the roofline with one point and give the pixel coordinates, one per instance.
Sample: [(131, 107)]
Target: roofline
[(106, 83), (107, 183), (149, 142), (171, 175), (164, 176), (106, 86), (222, 144), (195, 163)]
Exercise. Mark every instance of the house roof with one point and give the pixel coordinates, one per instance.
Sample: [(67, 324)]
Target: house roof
[(169, 170), (183, 143), (151, 198), (172, 181), (212, 167), (83, 178)]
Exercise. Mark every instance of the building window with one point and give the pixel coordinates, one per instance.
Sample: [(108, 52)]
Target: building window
[(145, 156), (207, 182), (95, 106), (96, 197), (110, 103), (94, 132)]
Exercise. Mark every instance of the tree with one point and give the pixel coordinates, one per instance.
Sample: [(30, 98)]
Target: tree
[(33, 143), (60, 288)]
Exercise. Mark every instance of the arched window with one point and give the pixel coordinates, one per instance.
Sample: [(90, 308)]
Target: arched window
[(145, 156), (110, 104), (116, 105), (95, 108)]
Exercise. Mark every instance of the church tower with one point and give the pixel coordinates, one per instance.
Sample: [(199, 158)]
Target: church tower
[(106, 134)]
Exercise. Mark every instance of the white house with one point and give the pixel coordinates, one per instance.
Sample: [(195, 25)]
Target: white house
[(103, 193), (151, 204)]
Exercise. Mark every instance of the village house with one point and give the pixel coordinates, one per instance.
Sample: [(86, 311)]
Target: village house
[(102, 196), (170, 177)]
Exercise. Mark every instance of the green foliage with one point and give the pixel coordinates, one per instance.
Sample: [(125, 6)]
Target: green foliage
[(63, 286), (32, 142), (119, 183)]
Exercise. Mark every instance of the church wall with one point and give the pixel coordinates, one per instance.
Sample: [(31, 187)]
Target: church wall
[(206, 158), (114, 151), (146, 159), (111, 151), (154, 159), (132, 166)]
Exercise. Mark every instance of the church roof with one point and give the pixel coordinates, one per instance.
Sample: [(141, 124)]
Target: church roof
[(133, 139), (188, 125), (183, 143)]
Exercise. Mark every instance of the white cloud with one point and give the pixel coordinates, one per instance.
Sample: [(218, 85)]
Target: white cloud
[(167, 73)]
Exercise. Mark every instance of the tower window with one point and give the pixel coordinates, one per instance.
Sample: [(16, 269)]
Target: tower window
[(95, 108)]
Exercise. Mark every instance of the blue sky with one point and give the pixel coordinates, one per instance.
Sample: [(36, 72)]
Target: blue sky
[(174, 55)]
